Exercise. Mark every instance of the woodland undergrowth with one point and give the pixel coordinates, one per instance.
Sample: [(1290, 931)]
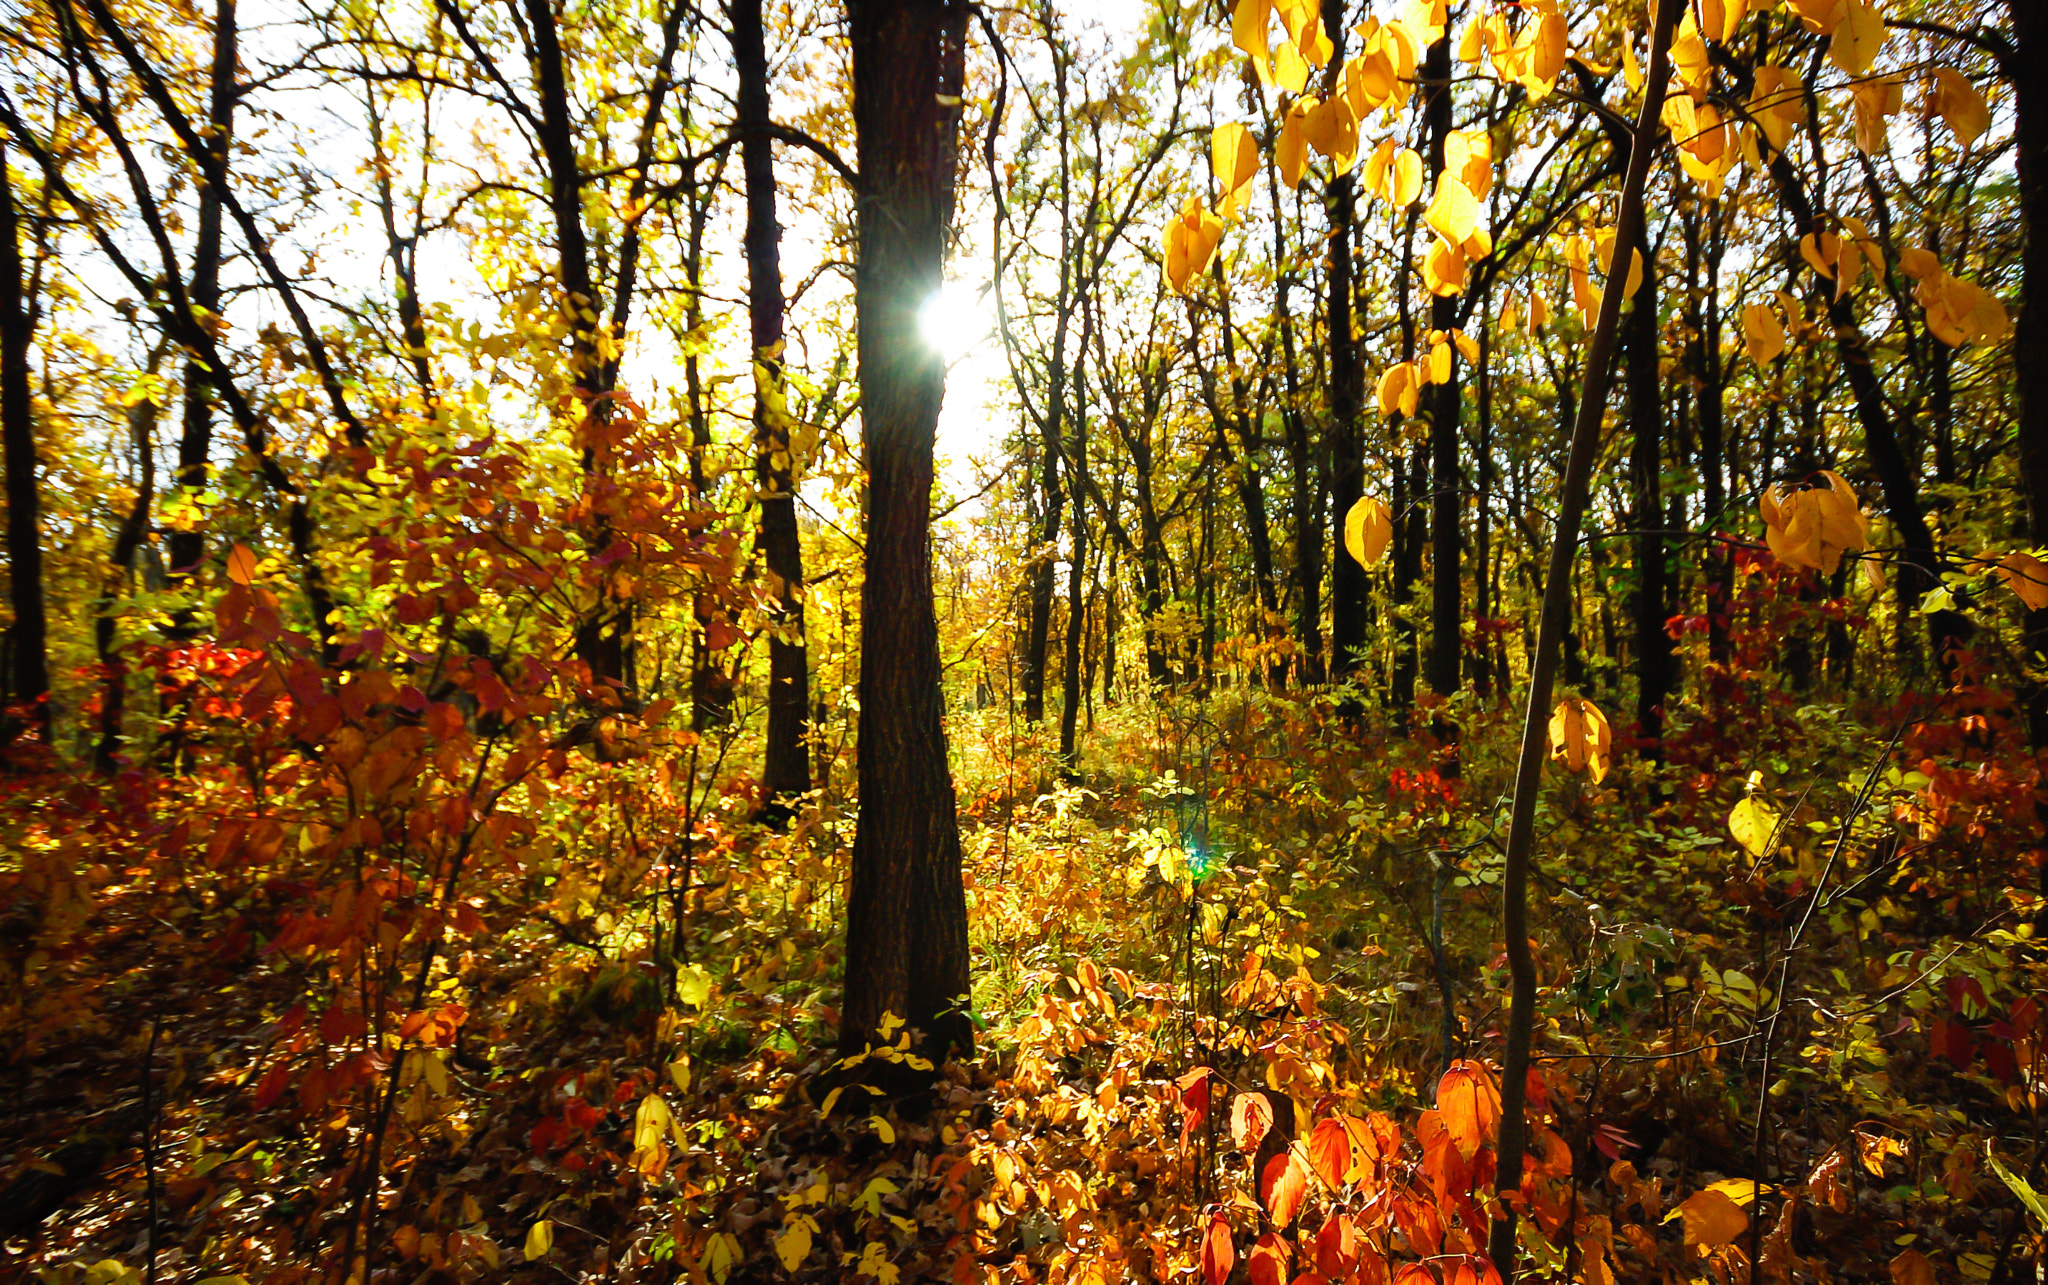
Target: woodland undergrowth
[(284, 1015)]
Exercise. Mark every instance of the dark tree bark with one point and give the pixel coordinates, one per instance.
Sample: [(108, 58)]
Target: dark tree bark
[(906, 937), (786, 769), (27, 703), (195, 438), (1305, 480), (2030, 332), (1347, 450), (1646, 461), (1446, 403)]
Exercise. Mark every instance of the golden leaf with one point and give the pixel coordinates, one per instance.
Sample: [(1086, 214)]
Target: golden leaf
[(1958, 103), (1368, 530), (2027, 576)]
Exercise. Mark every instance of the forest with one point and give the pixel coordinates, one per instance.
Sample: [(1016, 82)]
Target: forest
[(1256, 642)]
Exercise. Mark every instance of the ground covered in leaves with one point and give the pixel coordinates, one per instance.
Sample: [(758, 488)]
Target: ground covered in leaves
[(1239, 991)]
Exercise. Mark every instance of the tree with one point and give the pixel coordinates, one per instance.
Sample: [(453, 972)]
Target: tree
[(906, 934), (27, 697)]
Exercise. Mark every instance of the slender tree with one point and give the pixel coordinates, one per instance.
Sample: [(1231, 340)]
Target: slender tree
[(28, 668), (786, 769)]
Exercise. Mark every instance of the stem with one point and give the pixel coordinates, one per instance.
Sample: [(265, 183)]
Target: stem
[(1514, 1128)]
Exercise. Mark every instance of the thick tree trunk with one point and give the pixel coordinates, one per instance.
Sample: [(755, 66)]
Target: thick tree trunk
[(786, 769), (27, 703), (1646, 459), (195, 439), (906, 937)]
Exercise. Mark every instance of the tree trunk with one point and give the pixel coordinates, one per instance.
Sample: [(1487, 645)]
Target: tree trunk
[(906, 936), (195, 439), (2030, 332), (1646, 460), (27, 703), (1347, 453), (786, 769), (1446, 404)]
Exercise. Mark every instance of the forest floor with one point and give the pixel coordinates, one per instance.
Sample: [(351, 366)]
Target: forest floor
[(1240, 992)]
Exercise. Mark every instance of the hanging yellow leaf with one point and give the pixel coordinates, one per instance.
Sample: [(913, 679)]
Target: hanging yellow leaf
[(1407, 182), (1468, 347), (1958, 103), (1440, 362), (1508, 313), (2027, 576), (1580, 737), (1290, 69), (1539, 313), (1777, 103), (1291, 151), (1368, 529), (1469, 154), (1753, 822), (1189, 242), (1444, 270), (1249, 22), (1762, 334), (1855, 43), (1400, 389), (1452, 212), (1235, 156)]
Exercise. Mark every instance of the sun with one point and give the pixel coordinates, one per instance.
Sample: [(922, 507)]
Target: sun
[(957, 320)]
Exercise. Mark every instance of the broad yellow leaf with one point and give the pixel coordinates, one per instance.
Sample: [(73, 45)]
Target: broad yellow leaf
[(1754, 823), (1444, 270), (1855, 43), (1452, 212), (540, 1238), (1400, 389), (1958, 103), (1368, 529), (793, 1244), (1292, 150), (1762, 334), (1407, 183), (1580, 737)]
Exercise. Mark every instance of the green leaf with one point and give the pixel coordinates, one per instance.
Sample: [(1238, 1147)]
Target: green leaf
[(2020, 1187)]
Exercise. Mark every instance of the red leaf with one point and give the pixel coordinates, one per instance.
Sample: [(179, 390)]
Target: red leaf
[(1219, 1253), (272, 1086), (1336, 1246), (1329, 1150), (1250, 1117), (1282, 1187), (1194, 1100), (1269, 1259)]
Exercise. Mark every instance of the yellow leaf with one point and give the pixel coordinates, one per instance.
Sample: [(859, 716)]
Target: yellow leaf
[(1753, 822), (1379, 169), (1855, 43), (2027, 576), (1400, 389), (650, 1122), (1468, 347), (1368, 529), (1248, 31), (1777, 103), (540, 1238), (1958, 103), (793, 1244), (1742, 1191), (1444, 270), (1235, 157), (1452, 212), (1292, 150), (1407, 185), (1290, 69), (241, 564), (1762, 334), (1580, 737)]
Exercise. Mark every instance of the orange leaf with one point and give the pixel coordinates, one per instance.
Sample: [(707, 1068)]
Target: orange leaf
[(1194, 1100), (1329, 1150), (1912, 1268), (1336, 1246), (1282, 1187), (1269, 1260), (1250, 1117), (1470, 1106), (1219, 1252), (1712, 1219), (241, 564)]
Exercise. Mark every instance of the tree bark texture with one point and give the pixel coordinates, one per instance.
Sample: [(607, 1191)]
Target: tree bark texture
[(906, 908)]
